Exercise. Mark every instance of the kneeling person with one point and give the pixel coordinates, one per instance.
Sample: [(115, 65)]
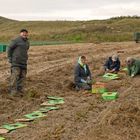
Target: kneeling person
[(82, 75), (133, 66), (112, 65)]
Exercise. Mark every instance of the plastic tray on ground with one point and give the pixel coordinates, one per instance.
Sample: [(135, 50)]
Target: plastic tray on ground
[(47, 109), (2, 138), (53, 102), (35, 115), (55, 98), (110, 95), (13, 126), (125, 69), (111, 76)]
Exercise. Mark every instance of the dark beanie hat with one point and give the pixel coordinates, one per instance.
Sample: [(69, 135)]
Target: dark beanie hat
[(23, 30)]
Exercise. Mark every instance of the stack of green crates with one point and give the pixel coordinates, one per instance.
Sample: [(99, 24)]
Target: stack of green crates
[(2, 48), (137, 36), (110, 95)]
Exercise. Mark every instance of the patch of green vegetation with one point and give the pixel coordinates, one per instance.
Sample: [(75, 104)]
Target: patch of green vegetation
[(114, 29)]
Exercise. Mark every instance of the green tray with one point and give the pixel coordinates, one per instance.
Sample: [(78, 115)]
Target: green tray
[(13, 126), (110, 95), (110, 76), (55, 98), (1, 138), (125, 69), (35, 115), (100, 90), (47, 109), (55, 102)]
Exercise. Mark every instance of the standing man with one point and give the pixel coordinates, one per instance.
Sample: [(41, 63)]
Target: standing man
[(18, 56)]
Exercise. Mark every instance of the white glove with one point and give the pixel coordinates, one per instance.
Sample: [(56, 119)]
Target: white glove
[(83, 81)]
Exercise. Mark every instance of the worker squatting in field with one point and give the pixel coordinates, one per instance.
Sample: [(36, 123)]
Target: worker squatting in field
[(82, 75), (133, 66)]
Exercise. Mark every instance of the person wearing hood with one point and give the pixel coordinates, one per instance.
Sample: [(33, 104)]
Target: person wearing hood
[(112, 64), (82, 75), (133, 66)]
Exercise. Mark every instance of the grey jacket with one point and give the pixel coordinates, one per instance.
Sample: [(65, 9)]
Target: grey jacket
[(79, 73), (18, 52), (134, 69)]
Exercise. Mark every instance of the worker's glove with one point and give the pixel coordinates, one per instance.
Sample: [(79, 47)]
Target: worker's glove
[(132, 75), (88, 78), (89, 81), (83, 81)]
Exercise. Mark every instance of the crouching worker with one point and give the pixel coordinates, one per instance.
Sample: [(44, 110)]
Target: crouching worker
[(82, 75), (133, 66), (112, 64)]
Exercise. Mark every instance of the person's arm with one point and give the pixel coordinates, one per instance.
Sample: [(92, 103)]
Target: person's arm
[(135, 71), (10, 50), (106, 65), (89, 73), (129, 70), (117, 66)]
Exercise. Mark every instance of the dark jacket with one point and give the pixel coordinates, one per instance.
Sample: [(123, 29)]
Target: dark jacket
[(134, 69), (109, 64), (18, 52), (79, 73)]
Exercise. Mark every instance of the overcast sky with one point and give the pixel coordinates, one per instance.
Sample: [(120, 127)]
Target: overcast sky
[(68, 9)]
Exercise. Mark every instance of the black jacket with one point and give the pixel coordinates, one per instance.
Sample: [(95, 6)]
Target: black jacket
[(18, 52), (79, 73), (109, 64)]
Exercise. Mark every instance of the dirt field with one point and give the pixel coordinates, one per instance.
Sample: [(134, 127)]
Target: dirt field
[(84, 116)]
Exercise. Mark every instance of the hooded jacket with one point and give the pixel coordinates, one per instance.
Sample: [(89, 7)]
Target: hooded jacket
[(81, 72), (134, 69), (109, 64), (18, 52)]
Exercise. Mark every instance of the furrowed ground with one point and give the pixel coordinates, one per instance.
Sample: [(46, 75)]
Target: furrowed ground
[(84, 116)]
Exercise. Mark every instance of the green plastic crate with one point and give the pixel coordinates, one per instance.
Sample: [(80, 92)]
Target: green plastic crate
[(99, 90), (102, 90), (2, 138), (55, 98), (110, 95), (137, 36), (125, 69), (110, 76), (2, 48), (47, 109), (35, 115), (13, 126)]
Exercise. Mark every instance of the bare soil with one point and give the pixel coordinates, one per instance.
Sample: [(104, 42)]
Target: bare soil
[(84, 116)]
